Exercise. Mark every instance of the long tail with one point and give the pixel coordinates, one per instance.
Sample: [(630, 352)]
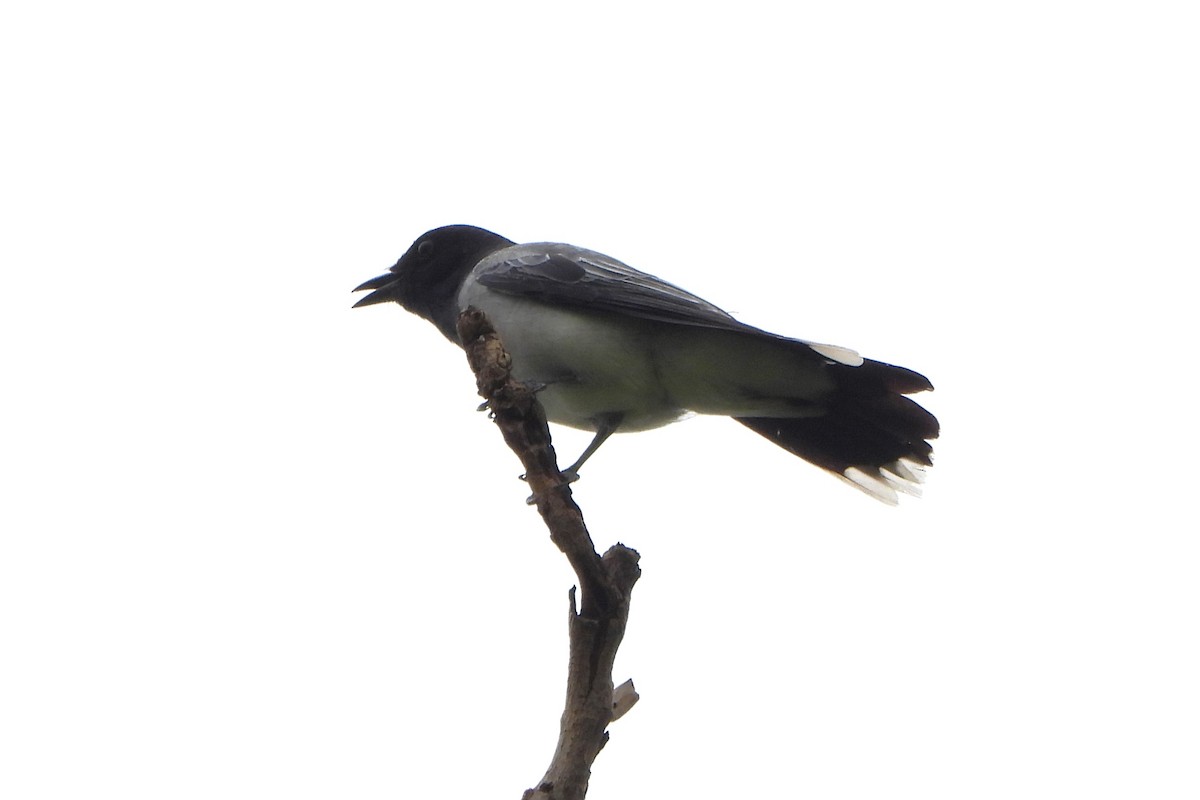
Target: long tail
[(871, 435)]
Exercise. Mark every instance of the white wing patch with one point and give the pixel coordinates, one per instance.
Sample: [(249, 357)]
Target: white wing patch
[(842, 355)]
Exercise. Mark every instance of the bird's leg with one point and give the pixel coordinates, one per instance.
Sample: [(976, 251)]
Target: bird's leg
[(606, 426)]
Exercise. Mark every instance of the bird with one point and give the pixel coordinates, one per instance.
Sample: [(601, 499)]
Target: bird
[(613, 349)]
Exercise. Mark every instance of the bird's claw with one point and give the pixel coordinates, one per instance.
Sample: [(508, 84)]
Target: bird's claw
[(569, 476)]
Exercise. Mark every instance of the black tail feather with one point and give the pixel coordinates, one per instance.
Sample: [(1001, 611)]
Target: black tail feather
[(868, 428)]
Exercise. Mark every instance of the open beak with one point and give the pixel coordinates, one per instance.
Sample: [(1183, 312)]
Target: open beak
[(384, 289)]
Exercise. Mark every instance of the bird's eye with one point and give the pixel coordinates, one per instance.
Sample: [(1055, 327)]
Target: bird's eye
[(425, 249)]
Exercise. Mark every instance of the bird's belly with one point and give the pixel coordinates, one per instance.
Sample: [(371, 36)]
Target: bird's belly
[(588, 367)]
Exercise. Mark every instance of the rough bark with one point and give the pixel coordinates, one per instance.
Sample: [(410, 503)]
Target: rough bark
[(597, 623)]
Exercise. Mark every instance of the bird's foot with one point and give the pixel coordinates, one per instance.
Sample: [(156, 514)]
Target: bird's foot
[(569, 476)]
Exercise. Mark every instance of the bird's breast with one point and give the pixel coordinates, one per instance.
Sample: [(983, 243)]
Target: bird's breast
[(589, 364)]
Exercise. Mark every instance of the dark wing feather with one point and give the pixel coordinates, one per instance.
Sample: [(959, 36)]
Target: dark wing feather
[(566, 275), (561, 274)]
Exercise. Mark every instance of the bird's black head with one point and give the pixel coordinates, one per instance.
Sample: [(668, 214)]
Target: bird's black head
[(427, 278)]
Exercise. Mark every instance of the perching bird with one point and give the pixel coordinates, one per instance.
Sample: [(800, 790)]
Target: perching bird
[(614, 349)]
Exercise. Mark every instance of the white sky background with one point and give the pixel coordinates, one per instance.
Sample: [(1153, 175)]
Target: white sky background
[(258, 545)]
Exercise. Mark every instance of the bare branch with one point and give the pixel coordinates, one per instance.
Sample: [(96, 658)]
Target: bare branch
[(597, 626)]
